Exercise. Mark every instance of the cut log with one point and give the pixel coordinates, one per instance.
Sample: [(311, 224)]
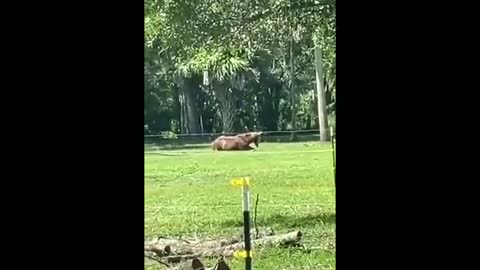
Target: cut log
[(165, 246), (174, 251)]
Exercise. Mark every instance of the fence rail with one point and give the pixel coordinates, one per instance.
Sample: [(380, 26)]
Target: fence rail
[(310, 134), (233, 133)]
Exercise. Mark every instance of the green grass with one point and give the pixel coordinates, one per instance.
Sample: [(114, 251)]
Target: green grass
[(188, 194)]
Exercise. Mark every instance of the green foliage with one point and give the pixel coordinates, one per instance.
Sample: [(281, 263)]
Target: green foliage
[(223, 40), (221, 62)]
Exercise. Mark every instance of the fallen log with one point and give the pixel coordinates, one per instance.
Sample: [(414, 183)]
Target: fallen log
[(288, 239), (165, 247), (162, 246), (173, 251)]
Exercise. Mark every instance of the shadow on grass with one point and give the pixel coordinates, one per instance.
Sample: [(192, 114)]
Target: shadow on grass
[(164, 154), (174, 146), (153, 146), (287, 221)]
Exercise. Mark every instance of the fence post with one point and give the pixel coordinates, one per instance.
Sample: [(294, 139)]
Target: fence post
[(244, 182), (332, 139)]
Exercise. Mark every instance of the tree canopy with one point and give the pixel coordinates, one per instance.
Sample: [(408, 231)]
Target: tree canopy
[(229, 66)]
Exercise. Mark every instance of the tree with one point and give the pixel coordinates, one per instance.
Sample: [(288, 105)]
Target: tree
[(322, 117), (226, 69), (258, 57)]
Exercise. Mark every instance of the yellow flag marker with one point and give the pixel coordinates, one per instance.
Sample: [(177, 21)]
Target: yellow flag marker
[(241, 182), (241, 254)]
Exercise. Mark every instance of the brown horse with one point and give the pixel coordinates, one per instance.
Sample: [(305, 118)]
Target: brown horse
[(238, 142)]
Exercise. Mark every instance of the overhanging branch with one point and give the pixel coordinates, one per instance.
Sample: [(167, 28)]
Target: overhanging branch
[(295, 6)]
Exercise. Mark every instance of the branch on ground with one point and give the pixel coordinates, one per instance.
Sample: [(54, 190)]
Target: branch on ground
[(170, 251)]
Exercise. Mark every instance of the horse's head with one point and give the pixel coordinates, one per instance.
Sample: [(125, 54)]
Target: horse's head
[(251, 137)]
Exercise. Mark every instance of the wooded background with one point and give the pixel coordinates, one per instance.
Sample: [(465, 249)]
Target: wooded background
[(215, 66)]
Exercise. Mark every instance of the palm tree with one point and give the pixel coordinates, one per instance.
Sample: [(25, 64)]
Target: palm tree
[(225, 70)]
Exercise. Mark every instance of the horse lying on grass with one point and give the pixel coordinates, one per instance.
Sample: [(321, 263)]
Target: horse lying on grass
[(238, 142)]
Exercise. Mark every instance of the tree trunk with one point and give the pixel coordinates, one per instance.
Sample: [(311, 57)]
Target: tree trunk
[(201, 124), (224, 95), (191, 88), (180, 81), (322, 112), (183, 116), (267, 101), (239, 99), (292, 88), (228, 112), (292, 79)]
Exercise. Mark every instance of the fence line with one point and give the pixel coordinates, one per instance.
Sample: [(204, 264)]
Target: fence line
[(267, 132)]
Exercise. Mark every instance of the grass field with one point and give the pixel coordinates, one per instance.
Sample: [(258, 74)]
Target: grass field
[(188, 194)]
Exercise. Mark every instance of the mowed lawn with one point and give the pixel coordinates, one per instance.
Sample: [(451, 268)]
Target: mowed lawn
[(188, 194)]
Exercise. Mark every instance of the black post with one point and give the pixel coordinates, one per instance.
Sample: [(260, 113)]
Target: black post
[(246, 235), (244, 182), (332, 139)]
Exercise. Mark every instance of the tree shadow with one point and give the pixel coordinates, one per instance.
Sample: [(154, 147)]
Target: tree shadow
[(164, 154), (205, 143), (287, 139), (287, 221), (304, 221), (174, 146)]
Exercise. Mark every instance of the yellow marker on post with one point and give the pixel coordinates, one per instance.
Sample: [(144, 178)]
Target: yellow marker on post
[(242, 254), (241, 182)]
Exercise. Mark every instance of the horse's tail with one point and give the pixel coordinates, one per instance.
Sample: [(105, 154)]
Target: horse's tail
[(215, 143), (214, 147)]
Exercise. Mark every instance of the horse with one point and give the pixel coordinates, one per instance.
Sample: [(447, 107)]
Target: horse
[(237, 142)]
